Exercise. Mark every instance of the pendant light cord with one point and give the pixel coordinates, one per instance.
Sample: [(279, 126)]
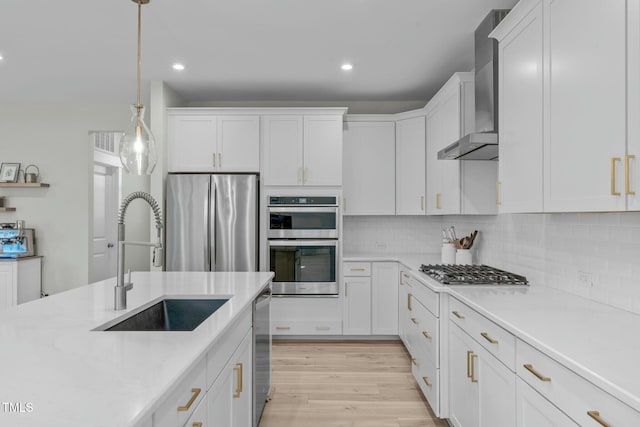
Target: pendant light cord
[(139, 105)]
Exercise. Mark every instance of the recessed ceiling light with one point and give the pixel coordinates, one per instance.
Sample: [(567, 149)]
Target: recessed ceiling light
[(346, 67), (178, 66)]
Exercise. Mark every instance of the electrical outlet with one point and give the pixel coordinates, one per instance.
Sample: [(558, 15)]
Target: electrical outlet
[(585, 279), (381, 245)]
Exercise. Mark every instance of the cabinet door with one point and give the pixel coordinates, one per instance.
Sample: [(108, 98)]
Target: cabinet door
[(242, 384), (369, 168), (219, 400), (587, 106), (192, 143), (521, 130), (533, 410), (238, 147), (443, 176), (463, 393), (357, 306), (410, 166), (633, 103), (322, 150), (282, 150), (404, 315), (384, 298), (496, 390), (7, 284)]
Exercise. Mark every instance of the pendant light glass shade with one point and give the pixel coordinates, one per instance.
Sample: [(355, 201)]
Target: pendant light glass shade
[(138, 152)]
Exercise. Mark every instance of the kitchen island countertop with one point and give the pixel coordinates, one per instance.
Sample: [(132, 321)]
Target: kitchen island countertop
[(61, 373)]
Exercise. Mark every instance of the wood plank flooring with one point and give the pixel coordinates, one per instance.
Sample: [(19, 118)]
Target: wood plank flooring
[(345, 384)]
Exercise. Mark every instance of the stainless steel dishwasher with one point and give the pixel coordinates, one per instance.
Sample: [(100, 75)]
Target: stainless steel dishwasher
[(261, 353)]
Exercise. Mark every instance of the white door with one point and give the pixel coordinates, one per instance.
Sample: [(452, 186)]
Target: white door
[(463, 392), (242, 402), (410, 166), (105, 205), (219, 399), (322, 150), (192, 144), (633, 102), (496, 390), (357, 306), (282, 150), (238, 145), (533, 410), (384, 298)]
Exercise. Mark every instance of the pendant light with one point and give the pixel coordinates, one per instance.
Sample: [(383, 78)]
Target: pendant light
[(138, 152)]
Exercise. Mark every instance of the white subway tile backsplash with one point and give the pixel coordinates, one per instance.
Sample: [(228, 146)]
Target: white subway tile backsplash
[(550, 249)]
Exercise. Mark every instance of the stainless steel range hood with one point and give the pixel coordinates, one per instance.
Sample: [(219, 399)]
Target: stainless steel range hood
[(483, 143)]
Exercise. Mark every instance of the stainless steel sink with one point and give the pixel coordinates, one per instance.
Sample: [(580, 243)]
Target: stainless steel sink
[(168, 314)]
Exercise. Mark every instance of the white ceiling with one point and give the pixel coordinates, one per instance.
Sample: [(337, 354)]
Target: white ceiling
[(237, 50)]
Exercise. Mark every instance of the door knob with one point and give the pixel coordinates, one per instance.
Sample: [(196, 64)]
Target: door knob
[(109, 245)]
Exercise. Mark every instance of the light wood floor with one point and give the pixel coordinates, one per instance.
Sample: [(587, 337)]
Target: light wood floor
[(345, 384)]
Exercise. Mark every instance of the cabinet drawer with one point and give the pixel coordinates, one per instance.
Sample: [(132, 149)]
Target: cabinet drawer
[(581, 400), (495, 339), (425, 332), (306, 327), (224, 347), (185, 397), (426, 296), (428, 378), (357, 269)]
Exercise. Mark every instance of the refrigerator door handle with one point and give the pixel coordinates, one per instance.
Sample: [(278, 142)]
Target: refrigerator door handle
[(207, 226), (213, 223)]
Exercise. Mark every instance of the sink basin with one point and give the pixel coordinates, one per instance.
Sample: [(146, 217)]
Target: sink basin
[(170, 315)]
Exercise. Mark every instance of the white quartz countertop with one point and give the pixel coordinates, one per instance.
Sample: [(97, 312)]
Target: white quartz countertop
[(595, 340), (73, 376)]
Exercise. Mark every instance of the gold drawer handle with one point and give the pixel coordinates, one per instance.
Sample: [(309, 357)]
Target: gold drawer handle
[(238, 371), (613, 176), (498, 201), (438, 206), (357, 269), (197, 424), (409, 301), (415, 322), (627, 178), (323, 328), (469, 353), (488, 338), (283, 328), (414, 361), (195, 393), (596, 416), (458, 315), (538, 375), (426, 381), (426, 335), (405, 275)]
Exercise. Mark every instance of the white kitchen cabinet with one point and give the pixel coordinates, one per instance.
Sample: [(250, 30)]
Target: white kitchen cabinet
[(456, 186), (306, 316), (357, 306), (410, 166), (369, 173), (404, 311), (585, 109), (463, 395), (20, 281), (384, 298), (520, 94), (633, 103), (206, 142), (533, 410), (302, 150)]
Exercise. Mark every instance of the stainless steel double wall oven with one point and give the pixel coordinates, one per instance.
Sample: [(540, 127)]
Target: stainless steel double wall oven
[(303, 245)]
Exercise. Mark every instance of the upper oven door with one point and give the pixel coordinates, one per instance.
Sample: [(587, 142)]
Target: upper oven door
[(303, 222)]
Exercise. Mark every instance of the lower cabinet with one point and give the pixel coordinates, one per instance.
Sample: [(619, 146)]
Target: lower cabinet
[(20, 281), (306, 316), (533, 410), (356, 306)]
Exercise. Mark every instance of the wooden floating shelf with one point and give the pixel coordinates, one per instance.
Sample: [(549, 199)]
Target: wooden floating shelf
[(24, 185), (7, 209)]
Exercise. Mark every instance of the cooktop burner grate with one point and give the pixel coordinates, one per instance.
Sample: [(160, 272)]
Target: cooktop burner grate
[(472, 275)]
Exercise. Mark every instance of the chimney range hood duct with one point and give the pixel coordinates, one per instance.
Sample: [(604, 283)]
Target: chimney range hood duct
[(483, 143)]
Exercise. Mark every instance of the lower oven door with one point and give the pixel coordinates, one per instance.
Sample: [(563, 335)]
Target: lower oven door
[(304, 267)]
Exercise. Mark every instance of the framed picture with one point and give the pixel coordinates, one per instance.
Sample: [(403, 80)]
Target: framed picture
[(9, 172)]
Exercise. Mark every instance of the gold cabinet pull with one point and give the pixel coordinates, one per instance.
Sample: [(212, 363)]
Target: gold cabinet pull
[(197, 424), (415, 322), (282, 328), (323, 328), (220, 159), (305, 176), (488, 338), (214, 160), (421, 203), (529, 367), (426, 335), (498, 184), (409, 302), (596, 416), (238, 370), (473, 369), (613, 176), (346, 293), (627, 178), (469, 353), (414, 361), (405, 275), (438, 197), (426, 381), (357, 269), (458, 315), (195, 392)]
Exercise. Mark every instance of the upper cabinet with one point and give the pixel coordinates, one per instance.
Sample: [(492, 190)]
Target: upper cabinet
[(369, 168), (520, 94), (569, 90), (302, 150), (202, 141), (410, 166), (454, 186)]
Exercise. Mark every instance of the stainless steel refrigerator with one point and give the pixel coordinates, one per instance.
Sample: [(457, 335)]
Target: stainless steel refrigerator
[(212, 222)]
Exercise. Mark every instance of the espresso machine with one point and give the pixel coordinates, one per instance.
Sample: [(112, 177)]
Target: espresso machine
[(16, 241)]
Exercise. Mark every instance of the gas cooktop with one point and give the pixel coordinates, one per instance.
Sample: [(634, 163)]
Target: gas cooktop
[(472, 275)]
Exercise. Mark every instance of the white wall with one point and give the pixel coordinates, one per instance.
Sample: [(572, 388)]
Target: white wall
[(56, 138), (550, 249)]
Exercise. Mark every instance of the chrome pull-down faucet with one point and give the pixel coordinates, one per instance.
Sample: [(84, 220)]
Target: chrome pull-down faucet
[(121, 288)]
